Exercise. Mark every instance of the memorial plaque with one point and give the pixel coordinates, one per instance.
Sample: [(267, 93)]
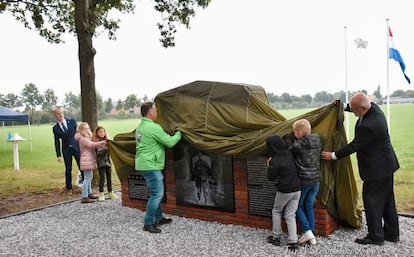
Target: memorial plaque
[(261, 191), (203, 179), (137, 187)]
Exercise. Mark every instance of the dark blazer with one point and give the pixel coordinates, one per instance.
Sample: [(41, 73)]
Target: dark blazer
[(66, 139), (307, 154), (374, 152)]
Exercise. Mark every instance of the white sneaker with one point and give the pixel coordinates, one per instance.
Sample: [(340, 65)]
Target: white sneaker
[(112, 195), (101, 197), (307, 236), (312, 241)]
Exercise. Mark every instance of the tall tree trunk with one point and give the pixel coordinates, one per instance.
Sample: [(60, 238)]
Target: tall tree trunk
[(84, 11)]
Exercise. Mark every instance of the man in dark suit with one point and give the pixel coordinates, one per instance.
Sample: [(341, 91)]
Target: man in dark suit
[(377, 163), (64, 131)]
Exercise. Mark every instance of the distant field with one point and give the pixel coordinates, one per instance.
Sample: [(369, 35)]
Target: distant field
[(43, 154), (39, 170)]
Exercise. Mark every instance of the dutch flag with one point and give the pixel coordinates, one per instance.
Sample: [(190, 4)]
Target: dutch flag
[(395, 54)]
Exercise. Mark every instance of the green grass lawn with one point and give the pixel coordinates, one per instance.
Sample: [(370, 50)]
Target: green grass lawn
[(39, 170)]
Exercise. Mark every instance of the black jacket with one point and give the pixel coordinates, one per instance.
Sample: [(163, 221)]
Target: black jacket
[(374, 152), (282, 167), (307, 154), (102, 156)]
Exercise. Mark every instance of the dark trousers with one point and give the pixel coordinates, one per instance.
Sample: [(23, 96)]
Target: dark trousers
[(380, 211), (67, 157), (105, 172)]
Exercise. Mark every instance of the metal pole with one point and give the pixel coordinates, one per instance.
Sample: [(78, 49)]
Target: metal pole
[(388, 78), (346, 84)]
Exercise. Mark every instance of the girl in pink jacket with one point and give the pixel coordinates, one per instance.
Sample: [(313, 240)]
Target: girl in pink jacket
[(87, 159)]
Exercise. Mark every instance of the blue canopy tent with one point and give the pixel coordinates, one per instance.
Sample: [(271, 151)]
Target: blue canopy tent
[(7, 114)]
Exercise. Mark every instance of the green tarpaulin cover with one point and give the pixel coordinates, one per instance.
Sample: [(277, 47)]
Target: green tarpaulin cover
[(235, 119)]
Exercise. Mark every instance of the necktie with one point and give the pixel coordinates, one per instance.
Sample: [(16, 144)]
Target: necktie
[(65, 129)]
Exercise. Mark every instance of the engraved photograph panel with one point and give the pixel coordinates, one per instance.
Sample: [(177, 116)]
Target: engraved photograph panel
[(203, 179)]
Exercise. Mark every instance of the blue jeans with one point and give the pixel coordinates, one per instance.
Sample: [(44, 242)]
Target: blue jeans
[(155, 184), (87, 183), (305, 213)]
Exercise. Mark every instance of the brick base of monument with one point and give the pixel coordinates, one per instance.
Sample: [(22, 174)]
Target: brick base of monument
[(325, 224)]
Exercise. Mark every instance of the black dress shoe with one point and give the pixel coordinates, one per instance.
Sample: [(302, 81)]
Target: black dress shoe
[(152, 229), (368, 241), (163, 221)]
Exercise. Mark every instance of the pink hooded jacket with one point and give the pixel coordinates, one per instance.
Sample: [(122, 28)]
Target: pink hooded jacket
[(87, 151)]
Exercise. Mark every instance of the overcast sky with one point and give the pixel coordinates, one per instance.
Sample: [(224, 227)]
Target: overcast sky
[(294, 46)]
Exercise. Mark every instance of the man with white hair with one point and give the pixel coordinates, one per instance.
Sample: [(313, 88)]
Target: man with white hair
[(377, 163)]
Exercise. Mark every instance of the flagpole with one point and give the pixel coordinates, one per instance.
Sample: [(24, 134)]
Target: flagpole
[(346, 83), (388, 78)]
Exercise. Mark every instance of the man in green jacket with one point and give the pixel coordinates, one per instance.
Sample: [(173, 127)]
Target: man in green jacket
[(151, 140)]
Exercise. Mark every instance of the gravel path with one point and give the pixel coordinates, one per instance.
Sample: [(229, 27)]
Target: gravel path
[(109, 229)]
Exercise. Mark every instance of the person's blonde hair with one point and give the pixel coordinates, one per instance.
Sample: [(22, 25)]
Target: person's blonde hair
[(302, 125), (80, 128)]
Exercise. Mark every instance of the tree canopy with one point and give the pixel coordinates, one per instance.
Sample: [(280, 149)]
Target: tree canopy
[(87, 19)]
